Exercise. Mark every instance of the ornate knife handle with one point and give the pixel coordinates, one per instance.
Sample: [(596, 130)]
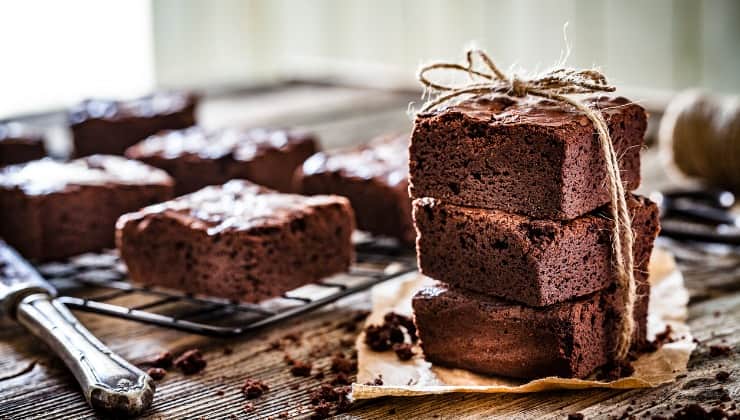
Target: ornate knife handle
[(109, 383)]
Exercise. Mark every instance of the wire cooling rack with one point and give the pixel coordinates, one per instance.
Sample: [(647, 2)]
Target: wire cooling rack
[(97, 283)]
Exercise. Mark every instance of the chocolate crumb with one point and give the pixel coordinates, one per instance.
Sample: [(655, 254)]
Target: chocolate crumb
[(319, 375), (228, 351), (341, 379), (339, 363), (718, 350), (722, 375), (254, 388), (190, 362), (376, 382), (717, 314), (156, 373), (295, 386), (615, 370), (220, 392), (321, 410), (378, 337), (301, 368), (162, 360), (276, 345), (248, 407), (403, 351), (575, 416), (283, 415)]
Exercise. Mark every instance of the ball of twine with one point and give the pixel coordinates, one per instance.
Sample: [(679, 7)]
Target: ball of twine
[(700, 138)]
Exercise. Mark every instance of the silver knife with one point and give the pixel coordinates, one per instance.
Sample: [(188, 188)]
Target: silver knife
[(110, 383)]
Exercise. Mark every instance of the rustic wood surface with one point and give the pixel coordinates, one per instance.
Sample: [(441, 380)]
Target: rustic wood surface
[(35, 384)]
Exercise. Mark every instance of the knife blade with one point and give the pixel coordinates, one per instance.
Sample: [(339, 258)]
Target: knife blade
[(109, 383)]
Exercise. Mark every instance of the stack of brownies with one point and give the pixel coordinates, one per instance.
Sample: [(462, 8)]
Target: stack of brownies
[(512, 214)]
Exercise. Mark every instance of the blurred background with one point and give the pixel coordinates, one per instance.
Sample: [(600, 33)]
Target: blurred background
[(57, 53)]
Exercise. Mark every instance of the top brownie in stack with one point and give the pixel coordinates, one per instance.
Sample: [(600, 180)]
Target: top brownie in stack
[(109, 127), (529, 156), (196, 157), (373, 177), (19, 144), (51, 210)]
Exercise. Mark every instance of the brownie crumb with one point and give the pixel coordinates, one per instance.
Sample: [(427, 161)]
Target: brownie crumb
[(301, 368), (339, 363), (378, 337), (361, 316), (295, 386), (156, 373), (190, 362), (162, 360), (665, 336), (220, 392), (276, 345), (722, 375), (254, 388), (327, 398), (615, 370), (228, 351), (248, 407), (406, 322), (575, 416), (718, 350), (403, 351), (697, 412), (376, 382), (320, 375), (341, 379)]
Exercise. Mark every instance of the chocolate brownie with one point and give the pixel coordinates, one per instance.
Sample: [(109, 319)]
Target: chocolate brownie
[(375, 179), (532, 261), (239, 241), (109, 127), (529, 156), (52, 210), (488, 335), (19, 144), (197, 158)]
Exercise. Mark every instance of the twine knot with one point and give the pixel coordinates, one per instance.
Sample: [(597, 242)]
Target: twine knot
[(556, 85), (518, 87)]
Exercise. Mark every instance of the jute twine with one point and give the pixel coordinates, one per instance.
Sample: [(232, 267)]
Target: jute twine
[(555, 85)]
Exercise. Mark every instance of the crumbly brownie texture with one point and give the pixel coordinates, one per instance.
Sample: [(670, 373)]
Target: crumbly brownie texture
[(19, 144), (528, 156), (487, 335), (197, 158), (109, 127), (375, 179), (239, 241), (52, 210), (535, 262)]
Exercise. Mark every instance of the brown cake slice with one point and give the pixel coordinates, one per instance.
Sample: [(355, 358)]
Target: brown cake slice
[(533, 261), (375, 179), (239, 241), (196, 157), (483, 334), (52, 210), (19, 144), (528, 156), (109, 127)]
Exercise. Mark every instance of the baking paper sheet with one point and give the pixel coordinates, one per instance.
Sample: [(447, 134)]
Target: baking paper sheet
[(668, 301)]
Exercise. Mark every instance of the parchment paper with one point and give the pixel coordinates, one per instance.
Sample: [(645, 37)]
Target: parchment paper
[(668, 300)]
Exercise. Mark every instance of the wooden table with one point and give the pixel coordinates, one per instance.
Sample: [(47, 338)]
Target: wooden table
[(35, 384)]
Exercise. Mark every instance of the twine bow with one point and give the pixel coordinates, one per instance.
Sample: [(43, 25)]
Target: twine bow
[(555, 85)]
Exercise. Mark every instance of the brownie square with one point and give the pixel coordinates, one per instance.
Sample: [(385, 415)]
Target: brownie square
[(109, 127), (196, 157), (484, 334), (375, 179), (239, 241), (532, 261), (19, 144), (52, 210), (528, 156)]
